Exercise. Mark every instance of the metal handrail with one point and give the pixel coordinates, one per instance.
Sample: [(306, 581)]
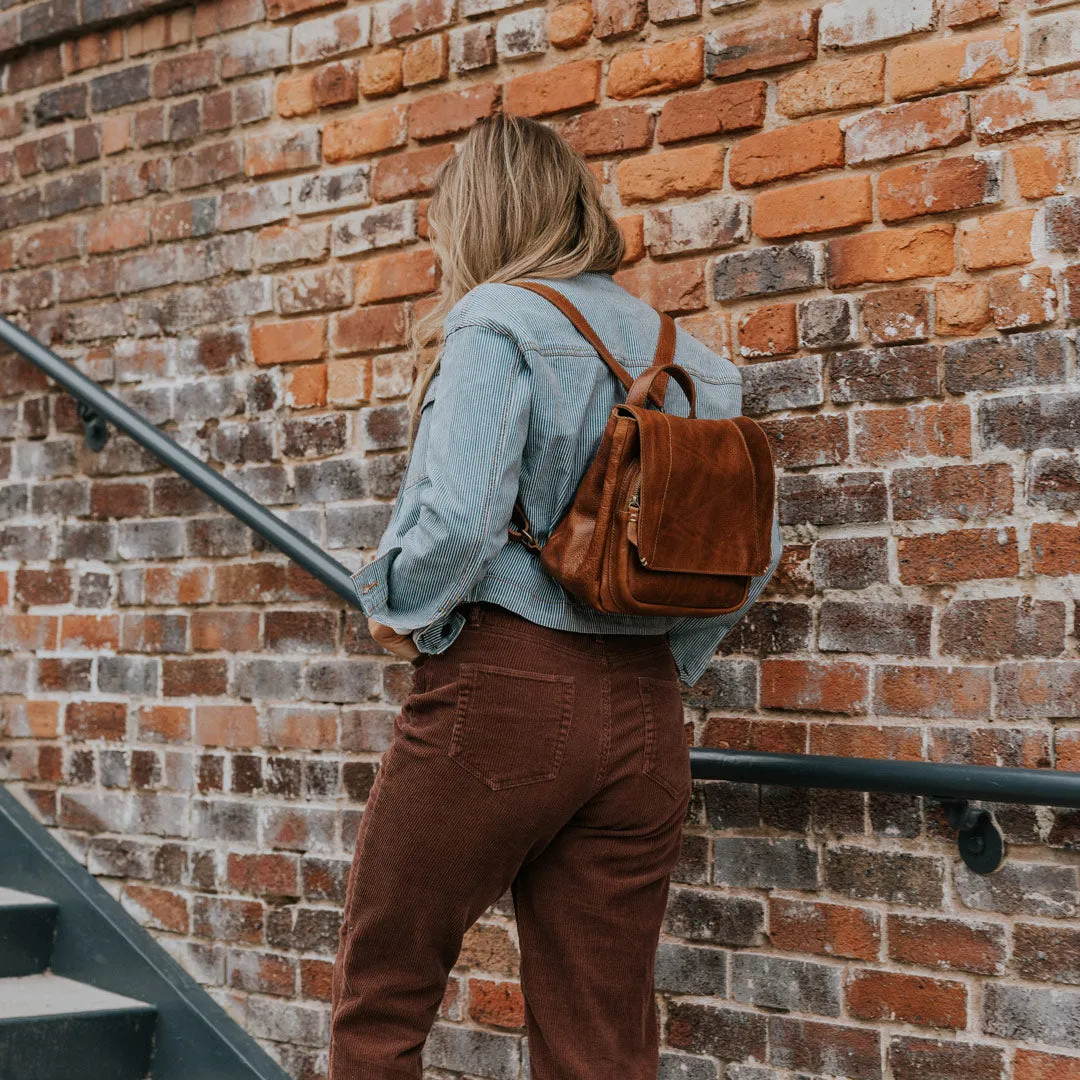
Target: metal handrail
[(953, 785), (101, 405)]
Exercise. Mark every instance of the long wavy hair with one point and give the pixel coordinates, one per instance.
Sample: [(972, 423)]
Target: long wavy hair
[(516, 200)]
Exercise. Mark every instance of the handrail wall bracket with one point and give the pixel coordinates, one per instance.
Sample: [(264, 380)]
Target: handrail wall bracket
[(978, 838), (95, 429)]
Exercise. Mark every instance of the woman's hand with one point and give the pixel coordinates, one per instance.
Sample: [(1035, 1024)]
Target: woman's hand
[(399, 644)]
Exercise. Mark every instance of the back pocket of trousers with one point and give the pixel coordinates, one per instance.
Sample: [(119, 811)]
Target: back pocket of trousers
[(511, 727), (666, 756)]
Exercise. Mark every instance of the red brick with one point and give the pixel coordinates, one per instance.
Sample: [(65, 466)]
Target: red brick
[(961, 308), (893, 742), (224, 631), (381, 73), (609, 131), (370, 329), (409, 173), (541, 93), (1041, 169), (426, 61), (966, 12), (793, 150), (289, 342), (824, 929), (1055, 549), (824, 87), (671, 173), (388, 277), (936, 187), (226, 725), (964, 555), (999, 240), (782, 38), (171, 723), (950, 944), (1023, 299), (51, 586), (275, 874), (967, 492), (219, 918), (907, 129), (1039, 1065), (814, 686), (891, 255), (367, 133), (768, 331), (803, 441), (192, 678), (90, 632), (673, 287), (96, 720), (161, 909), (499, 1004), (570, 25), (953, 63), (903, 690), (276, 153), (819, 206), (912, 999), (438, 115), (729, 107), (658, 69)]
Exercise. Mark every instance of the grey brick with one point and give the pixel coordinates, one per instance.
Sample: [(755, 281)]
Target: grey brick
[(128, 675), (783, 384), (681, 969), (767, 270), (1000, 363), (1031, 421), (775, 982), (1032, 1014), (826, 322), (343, 681), (710, 916), (267, 680), (1022, 889), (726, 684), (150, 539), (485, 1054), (755, 863)]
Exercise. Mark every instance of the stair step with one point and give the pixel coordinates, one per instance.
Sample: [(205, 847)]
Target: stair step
[(27, 925), (52, 1028)]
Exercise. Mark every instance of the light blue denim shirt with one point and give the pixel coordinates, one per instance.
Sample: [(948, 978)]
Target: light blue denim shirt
[(517, 408)]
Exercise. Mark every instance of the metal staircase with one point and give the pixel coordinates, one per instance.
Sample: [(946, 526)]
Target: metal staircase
[(85, 992)]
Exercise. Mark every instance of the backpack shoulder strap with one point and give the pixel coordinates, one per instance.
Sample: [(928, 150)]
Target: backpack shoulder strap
[(665, 345), (520, 529)]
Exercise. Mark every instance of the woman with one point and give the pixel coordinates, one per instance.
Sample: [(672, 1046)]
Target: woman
[(542, 746)]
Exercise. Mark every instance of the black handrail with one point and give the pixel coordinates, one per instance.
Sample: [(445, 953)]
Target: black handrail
[(953, 785), (101, 405)]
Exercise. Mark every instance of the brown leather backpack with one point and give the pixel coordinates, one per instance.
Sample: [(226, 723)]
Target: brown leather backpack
[(674, 514)]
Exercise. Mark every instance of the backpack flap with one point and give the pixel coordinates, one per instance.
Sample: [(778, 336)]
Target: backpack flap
[(706, 496)]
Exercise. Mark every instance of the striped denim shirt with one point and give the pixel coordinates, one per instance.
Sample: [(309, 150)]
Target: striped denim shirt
[(517, 409)]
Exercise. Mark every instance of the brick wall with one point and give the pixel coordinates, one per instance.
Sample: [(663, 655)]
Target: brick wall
[(218, 212)]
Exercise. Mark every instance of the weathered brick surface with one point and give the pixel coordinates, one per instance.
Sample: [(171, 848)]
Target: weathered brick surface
[(219, 212)]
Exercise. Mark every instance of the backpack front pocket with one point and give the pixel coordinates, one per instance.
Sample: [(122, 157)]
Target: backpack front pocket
[(510, 726)]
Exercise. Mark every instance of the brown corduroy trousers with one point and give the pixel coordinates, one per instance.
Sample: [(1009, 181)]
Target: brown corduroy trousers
[(551, 763)]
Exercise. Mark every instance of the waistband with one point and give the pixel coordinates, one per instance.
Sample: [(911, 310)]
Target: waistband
[(484, 613)]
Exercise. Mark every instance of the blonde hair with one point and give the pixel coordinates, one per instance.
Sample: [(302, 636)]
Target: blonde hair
[(516, 200)]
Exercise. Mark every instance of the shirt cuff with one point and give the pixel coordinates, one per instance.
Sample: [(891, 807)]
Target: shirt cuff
[(438, 636), (370, 585)]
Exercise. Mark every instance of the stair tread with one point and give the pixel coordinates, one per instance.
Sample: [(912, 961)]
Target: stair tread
[(17, 898), (29, 996)]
